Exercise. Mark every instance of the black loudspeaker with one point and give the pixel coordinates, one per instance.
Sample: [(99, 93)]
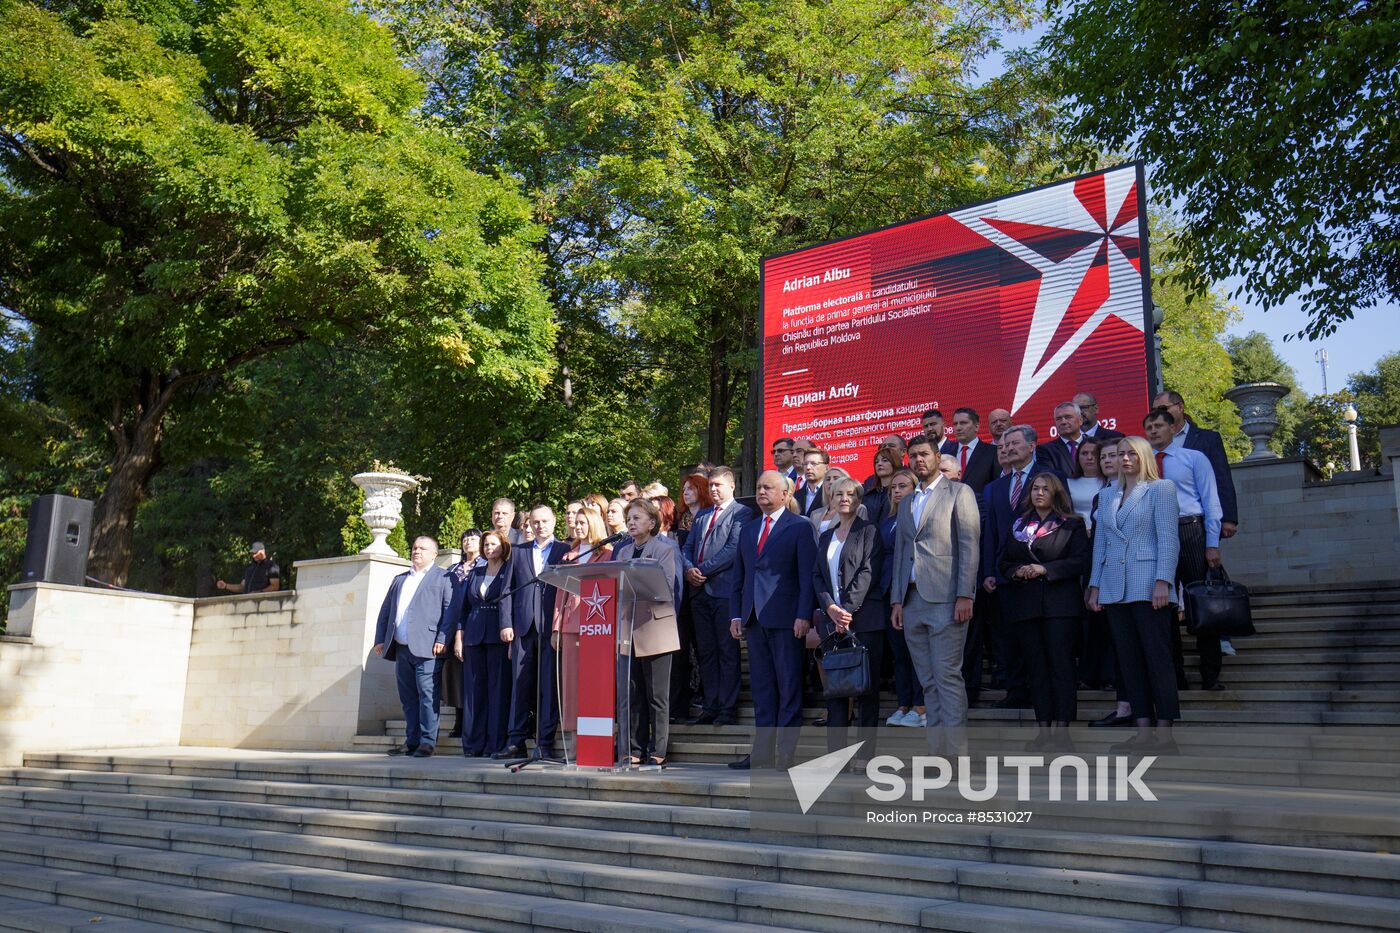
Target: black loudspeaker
[(56, 550)]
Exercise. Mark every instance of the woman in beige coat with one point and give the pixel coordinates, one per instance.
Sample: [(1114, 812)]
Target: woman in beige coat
[(655, 637)]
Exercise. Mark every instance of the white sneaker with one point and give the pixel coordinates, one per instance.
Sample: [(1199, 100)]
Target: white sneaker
[(919, 719), (898, 716), (1227, 648)]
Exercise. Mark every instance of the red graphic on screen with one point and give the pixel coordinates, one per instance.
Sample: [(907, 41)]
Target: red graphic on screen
[(1018, 303)]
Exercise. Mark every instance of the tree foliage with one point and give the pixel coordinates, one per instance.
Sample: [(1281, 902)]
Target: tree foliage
[(190, 187), (1271, 125)]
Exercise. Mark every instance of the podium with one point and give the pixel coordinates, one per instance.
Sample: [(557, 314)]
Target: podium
[(595, 651)]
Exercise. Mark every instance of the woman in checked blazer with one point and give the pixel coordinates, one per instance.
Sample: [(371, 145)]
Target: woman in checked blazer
[(1135, 550)]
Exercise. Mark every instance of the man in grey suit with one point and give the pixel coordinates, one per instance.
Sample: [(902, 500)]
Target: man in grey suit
[(414, 623), (708, 558), (936, 548)]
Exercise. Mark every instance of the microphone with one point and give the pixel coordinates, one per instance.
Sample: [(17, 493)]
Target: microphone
[(611, 539)]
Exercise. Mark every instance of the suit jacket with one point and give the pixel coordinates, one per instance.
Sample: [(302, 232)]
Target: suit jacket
[(1102, 433), (654, 629), (532, 608), (1209, 443), (809, 498), (998, 513), (982, 466), (860, 569), (939, 556), (775, 586), (482, 619), (429, 618), (1135, 544), (719, 550), (1065, 554), (1056, 453)]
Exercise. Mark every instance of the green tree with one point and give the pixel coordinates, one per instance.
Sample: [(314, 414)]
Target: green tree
[(1194, 359), (1377, 395), (672, 145), (1254, 359), (191, 187), (1204, 89), (1322, 432)]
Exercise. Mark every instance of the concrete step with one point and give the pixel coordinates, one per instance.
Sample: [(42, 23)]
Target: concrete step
[(38, 916), (808, 903), (62, 899), (747, 907), (684, 803), (1329, 818), (298, 887)]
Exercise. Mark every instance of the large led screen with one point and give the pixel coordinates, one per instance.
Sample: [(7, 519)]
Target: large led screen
[(1016, 303)]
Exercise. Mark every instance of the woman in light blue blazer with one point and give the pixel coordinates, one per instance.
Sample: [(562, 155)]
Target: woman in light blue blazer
[(1135, 550)]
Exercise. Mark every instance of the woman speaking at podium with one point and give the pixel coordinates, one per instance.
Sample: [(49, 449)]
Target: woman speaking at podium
[(655, 636)]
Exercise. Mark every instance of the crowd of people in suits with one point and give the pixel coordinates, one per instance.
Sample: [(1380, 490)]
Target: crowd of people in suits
[(1054, 564)]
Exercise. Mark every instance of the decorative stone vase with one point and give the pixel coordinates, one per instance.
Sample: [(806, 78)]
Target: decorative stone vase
[(1258, 405), (383, 506)]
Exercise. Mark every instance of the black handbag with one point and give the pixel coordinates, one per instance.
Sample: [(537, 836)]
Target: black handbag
[(1216, 606), (846, 664)]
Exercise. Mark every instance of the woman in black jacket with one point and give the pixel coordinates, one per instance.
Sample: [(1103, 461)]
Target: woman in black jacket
[(1045, 555), (482, 644), (850, 556)]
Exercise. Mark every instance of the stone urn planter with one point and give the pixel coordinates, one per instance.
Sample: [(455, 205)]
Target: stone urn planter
[(1258, 405), (383, 506)]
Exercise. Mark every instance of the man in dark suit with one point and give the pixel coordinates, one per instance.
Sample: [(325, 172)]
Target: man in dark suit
[(815, 463), (1089, 406), (708, 558), (1002, 501), (998, 420), (1060, 451), (1194, 437), (771, 602), (783, 458), (415, 622), (976, 459), (532, 659)]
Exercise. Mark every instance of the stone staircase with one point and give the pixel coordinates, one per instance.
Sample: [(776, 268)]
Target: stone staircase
[(1281, 813), (232, 839)]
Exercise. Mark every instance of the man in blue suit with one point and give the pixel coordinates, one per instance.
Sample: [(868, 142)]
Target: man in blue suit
[(771, 602), (415, 621), (532, 659), (708, 557), (1194, 437), (1003, 500)]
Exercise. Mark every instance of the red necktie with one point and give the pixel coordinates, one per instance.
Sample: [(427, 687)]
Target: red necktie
[(1161, 455), (963, 466), (763, 538), (797, 482), (714, 520), (1016, 489)]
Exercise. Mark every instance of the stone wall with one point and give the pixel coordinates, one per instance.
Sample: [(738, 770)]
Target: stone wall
[(85, 668), (1297, 528), (292, 669)]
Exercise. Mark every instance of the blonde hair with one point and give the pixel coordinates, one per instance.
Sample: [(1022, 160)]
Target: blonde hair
[(830, 481), (1147, 460), (597, 529)]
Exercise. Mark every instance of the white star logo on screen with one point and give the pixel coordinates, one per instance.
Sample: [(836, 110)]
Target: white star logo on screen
[(595, 603), (1066, 233)]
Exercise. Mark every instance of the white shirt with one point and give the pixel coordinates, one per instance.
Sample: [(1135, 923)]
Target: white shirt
[(538, 552), (485, 584), (833, 566), (1082, 490), (406, 593), (921, 497)]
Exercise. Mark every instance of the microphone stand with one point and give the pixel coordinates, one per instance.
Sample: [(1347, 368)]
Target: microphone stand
[(536, 756)]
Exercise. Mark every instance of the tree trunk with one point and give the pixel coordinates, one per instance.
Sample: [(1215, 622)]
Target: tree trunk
[(136, 460)]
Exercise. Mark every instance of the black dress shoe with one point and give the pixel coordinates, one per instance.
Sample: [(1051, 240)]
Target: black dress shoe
[(726, 720), (423, 751), (402, 750), (704, 719), (1215, 687), (742, 764), (510, 751), (1113, 719)]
